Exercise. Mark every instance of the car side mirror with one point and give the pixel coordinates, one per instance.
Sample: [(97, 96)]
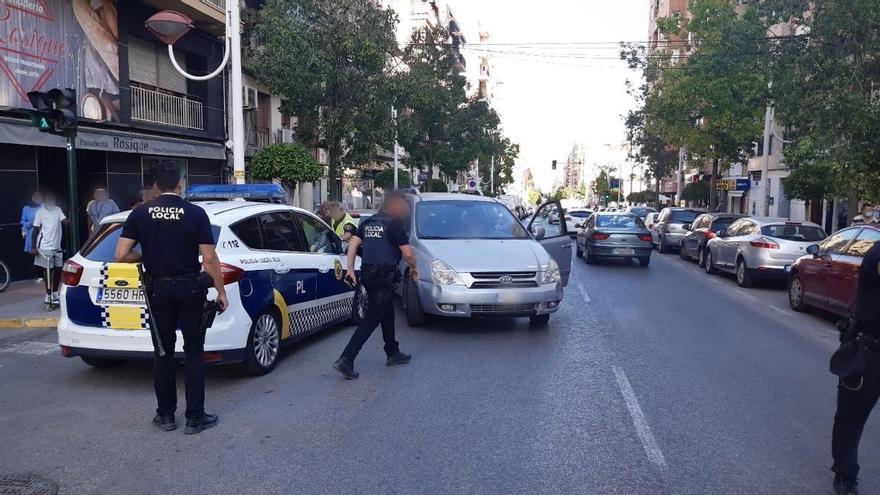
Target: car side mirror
[(721, 233), (813, 250), (539, 232)]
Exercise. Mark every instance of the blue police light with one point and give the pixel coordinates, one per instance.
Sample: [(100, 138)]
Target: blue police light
[(267, 193)]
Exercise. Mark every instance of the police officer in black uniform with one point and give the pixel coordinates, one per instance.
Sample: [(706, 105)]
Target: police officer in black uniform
[(857, 396), (172, 233), (384, 241)]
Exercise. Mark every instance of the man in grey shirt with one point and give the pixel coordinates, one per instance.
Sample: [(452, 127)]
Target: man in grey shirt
[(101, 206)]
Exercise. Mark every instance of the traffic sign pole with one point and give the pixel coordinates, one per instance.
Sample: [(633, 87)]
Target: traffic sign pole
[(72, 194)]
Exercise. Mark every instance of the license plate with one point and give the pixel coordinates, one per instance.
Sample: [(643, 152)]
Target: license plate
[(109, 296), (624, 251)]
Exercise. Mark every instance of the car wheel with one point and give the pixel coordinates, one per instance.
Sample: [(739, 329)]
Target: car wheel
[(588, 256), (682, 253), (359, 305), (644, 262), (709, 263), (264, 342), (796, 294), (661, 248), (102, 362), (578, 251), (415, 315), (743, 277), (701, 258), (539, 320)]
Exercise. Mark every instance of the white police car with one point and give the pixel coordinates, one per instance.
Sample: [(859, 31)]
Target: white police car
[(283, 269)]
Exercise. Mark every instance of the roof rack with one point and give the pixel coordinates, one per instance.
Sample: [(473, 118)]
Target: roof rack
[(264, 193)]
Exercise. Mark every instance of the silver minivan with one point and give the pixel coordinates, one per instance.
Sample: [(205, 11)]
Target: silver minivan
[(671, 227), (476, 259)]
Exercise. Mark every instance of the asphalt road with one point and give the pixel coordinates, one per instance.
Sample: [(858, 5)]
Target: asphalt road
[(647, 381)]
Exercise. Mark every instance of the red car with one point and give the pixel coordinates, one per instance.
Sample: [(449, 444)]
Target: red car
[(828, 278)]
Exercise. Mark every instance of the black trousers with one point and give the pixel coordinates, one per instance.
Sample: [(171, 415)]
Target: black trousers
[(380, 310), (178, 304), (856, 397)]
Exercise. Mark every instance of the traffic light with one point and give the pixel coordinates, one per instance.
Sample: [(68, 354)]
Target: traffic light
[(54, 111), (554, 165)]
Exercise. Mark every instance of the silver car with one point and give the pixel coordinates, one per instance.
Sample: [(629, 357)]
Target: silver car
[(760, 248), (671, 227), (476, 259), (614, 235)]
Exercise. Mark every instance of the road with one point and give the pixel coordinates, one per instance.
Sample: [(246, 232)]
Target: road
[(647, 381)]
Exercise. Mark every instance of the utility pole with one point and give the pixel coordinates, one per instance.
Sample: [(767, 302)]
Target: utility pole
[(233, 31), (678, 179), (394, 117), (765, 163), (492, 175)]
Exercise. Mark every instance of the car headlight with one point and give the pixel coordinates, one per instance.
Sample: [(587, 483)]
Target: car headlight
[(552, 275), (443, 274)]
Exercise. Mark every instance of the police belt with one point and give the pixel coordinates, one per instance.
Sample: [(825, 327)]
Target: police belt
[(870, 341), (177, 278)]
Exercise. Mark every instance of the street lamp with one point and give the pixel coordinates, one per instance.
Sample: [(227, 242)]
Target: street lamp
[(169, 26)]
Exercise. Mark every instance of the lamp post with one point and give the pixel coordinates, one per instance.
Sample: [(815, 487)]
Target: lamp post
[(169, 26)]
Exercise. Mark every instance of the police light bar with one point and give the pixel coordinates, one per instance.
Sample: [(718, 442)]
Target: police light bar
[(267, 193)]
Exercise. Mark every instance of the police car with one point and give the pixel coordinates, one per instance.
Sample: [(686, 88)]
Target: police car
[(283, 268)]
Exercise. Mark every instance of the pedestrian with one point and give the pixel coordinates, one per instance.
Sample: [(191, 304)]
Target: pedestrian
[(857, 395), (172, 233), (28, 213), (866, 216), (100, 207), (344, 225), (324, 212), (46, 237), (384, 241)]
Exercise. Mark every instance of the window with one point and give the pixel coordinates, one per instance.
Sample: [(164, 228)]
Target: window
[(619, 222), (836, 243), (319, 237), (467, 219), (683, 216), (248, 230), (720, 223), (865, 241), (279, 231), (794, 232)]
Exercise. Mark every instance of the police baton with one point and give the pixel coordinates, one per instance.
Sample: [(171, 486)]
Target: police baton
[(146, 286)]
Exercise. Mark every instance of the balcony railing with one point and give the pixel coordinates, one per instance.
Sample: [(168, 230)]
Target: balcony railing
[(152, 106), (217, 4), (257, 138)]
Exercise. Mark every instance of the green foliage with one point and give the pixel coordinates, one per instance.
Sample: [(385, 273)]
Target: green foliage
[(435, 185), (385, 179), (290, 164), (330, 58), (534, 197), (601, 185), (697, 192), (647, 197)]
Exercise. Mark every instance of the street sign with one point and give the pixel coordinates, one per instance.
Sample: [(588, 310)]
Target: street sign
[(471, 184)]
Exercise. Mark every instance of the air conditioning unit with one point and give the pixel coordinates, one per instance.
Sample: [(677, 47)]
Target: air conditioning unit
[(249, 98)]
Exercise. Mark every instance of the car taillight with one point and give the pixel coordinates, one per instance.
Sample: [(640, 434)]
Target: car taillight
[(764, 243), (71, 273), (599, 236), (231, 274), (710, 235), (645, 237)]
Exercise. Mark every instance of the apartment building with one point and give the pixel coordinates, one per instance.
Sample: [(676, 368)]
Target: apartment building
[(574, 167), (135, 109)]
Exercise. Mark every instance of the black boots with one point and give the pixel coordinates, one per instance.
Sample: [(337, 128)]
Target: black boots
[(346, 367)]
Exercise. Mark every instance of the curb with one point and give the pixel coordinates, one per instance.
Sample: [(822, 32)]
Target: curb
[(19, 323)]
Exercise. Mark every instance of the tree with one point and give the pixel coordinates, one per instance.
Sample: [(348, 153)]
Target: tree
[(385, 179), (601, 186), (329, 62), (638, 197), (698, 192), (534, 197), (290, 164), (435, 185), (505, 154), (646, 147)]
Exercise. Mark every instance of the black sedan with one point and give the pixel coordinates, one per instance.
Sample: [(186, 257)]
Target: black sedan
[(700, 231), (614, 235)]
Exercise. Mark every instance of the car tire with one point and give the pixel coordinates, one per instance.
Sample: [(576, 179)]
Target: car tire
[(743, 277), (102, 362), (661, 248), (645, 262), (701, 258), (263, 343), (578, 251), (682, 253), (588, 256), (358, 305), (796, 294), (415, 315), (539, 321), (709, 266)]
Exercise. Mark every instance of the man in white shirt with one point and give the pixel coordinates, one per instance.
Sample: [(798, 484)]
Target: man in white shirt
[(48, 228)]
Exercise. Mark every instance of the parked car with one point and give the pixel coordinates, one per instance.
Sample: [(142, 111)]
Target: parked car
[(282, 267), (670, 227), (640, 211), (574, 218), (704, 228), (827, 277), (614, 235), (476, 259), (650, 220), (760, 248)]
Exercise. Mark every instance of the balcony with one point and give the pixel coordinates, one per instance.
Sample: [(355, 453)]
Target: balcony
[(256, 139), (217, 4), (283, 136), (155, 107)]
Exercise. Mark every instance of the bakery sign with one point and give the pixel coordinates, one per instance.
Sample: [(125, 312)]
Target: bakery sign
[(46, 44)]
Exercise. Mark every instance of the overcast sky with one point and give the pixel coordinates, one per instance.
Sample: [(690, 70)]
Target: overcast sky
[(554, 95)]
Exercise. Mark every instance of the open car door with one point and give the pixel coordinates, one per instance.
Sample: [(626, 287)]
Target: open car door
[(548, 227)]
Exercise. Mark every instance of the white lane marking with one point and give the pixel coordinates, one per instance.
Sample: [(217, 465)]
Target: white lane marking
[(35, 348), (643, 430), (583, 292)]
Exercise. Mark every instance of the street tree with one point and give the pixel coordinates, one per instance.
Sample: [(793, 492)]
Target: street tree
[(329, 60), (289, 164), (602, 185), (697, 192), (385, 179)]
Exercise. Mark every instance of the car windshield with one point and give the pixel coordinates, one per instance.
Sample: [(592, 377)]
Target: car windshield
[(619, 222), (683, 216), (467, 220), (642, 212), (722, 223), (794, 232), (580, 214), (101, 245)]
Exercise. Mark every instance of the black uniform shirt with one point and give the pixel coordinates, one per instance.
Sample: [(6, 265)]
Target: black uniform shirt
[(868, 294), (382, 237), (169, 230)]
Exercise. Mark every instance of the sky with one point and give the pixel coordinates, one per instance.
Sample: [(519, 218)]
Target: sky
[(561, 81)]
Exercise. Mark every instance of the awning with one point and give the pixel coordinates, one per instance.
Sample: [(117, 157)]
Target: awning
[(15, 131), (664, 197)]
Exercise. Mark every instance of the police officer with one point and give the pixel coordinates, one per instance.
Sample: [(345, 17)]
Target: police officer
[(384, 241), (172, 233), (867, 215), (857, 396), (344, 225)]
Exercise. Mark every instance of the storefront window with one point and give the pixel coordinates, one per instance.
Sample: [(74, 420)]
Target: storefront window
[(148, 163)]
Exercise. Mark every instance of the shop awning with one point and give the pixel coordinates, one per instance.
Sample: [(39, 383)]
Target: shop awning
[(15, 131)]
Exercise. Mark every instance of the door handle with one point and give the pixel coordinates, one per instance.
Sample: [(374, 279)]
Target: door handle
[(282, 269)]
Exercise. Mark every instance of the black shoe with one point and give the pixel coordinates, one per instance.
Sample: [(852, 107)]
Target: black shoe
[(165, 423), (845, 487), (194, 426), (397, 358), (346, 367)]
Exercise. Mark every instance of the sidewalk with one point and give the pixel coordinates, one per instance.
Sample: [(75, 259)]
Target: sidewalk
[(21, 306)]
